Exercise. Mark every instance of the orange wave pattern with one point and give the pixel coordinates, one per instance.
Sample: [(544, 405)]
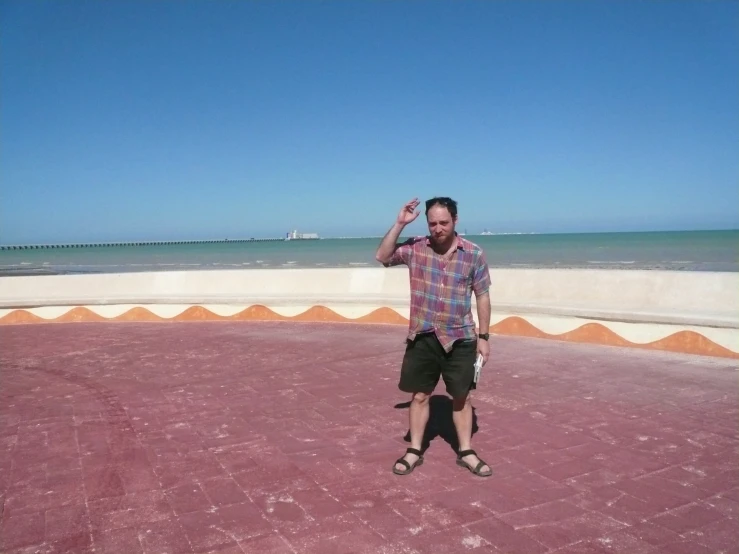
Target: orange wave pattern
[(687, 342)]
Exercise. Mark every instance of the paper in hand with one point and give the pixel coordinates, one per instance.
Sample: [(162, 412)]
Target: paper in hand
[(478, 367)]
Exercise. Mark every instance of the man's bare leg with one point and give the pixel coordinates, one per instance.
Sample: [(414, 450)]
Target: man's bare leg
[(418, 416), (462, 415)]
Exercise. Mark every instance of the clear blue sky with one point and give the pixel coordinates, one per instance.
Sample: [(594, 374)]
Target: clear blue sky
[(224, 118)]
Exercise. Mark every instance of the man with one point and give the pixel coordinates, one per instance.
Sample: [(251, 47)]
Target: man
[(445, 269)]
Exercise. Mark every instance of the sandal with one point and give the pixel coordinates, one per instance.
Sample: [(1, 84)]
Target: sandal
[(402, 461), (477, 468)]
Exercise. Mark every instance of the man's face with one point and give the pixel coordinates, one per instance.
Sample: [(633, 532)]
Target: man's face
[(441, 224)]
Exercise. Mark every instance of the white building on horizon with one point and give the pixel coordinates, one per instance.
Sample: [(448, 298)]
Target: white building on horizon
[(294, 235)]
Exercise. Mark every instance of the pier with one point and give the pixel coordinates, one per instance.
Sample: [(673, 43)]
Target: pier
[(131, 243)]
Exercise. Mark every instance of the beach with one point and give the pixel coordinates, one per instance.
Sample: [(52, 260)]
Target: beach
[(678, 251)]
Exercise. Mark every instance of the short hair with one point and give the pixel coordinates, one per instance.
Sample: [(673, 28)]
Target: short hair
[(445, 201)]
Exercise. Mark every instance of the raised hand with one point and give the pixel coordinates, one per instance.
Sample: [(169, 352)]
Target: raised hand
[(408, 213)]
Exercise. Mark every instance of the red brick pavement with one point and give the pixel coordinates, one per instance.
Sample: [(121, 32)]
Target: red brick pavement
[(280, 437)]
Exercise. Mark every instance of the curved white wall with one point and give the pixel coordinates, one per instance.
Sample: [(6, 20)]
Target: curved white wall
[(651, 296), (703, 302)]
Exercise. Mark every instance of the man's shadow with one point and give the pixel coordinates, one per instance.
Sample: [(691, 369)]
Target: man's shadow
[(441, 422)]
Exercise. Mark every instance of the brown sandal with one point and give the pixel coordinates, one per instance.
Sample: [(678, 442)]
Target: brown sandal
[(410, 467), (477, 469)]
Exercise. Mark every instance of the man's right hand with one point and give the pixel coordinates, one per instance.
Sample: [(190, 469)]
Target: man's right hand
[(408, 214), (388, 244)]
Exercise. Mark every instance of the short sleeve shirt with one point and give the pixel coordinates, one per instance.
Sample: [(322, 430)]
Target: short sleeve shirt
[(441, 289)]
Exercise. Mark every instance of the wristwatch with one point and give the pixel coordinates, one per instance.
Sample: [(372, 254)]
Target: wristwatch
[(484, 336)]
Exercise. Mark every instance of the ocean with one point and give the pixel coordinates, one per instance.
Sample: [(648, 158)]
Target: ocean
[(681, 251)]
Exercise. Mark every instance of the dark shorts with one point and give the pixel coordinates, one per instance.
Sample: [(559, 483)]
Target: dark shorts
[(425, 361)]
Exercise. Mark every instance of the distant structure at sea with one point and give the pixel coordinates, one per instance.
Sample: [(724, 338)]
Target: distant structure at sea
[(486, 232), (294, 235)]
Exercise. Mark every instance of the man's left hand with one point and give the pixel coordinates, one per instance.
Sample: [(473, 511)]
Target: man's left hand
[(483, 347)]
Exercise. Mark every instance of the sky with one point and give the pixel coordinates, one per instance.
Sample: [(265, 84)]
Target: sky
[(211, 119)]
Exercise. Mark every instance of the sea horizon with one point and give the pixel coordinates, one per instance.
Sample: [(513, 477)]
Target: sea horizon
[(705, 250), (256, 237)]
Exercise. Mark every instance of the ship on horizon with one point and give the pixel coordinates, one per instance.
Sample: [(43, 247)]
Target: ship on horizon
[(294, 235)]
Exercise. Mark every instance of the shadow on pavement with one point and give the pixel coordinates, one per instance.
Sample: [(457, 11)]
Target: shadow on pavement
[(441, 423)]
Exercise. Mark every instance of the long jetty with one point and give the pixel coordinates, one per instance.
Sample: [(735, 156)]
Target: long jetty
[(131, 243)]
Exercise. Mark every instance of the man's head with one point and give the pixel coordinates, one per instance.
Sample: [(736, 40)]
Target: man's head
[(441, 216)]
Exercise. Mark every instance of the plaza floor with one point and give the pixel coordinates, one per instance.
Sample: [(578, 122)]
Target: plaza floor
[(277, 437)]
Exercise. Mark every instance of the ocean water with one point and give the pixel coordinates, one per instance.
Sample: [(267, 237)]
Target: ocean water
[(683, 251)]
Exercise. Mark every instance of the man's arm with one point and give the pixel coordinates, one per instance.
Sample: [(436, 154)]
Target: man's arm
[(389, 243), (481, 287), (483, 312), (483, 316)]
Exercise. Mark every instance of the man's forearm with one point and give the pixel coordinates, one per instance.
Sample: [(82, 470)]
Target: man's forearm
[(483, 312), (387, 246)]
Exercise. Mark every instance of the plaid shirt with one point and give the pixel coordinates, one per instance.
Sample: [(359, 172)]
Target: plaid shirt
[(441, 291)]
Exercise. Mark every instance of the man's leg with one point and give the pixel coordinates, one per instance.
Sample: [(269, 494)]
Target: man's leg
[(418, 419), (459, 372), (418, 375), (462, 415)]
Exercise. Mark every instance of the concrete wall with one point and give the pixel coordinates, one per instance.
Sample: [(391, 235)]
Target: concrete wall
[(695, 312)]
